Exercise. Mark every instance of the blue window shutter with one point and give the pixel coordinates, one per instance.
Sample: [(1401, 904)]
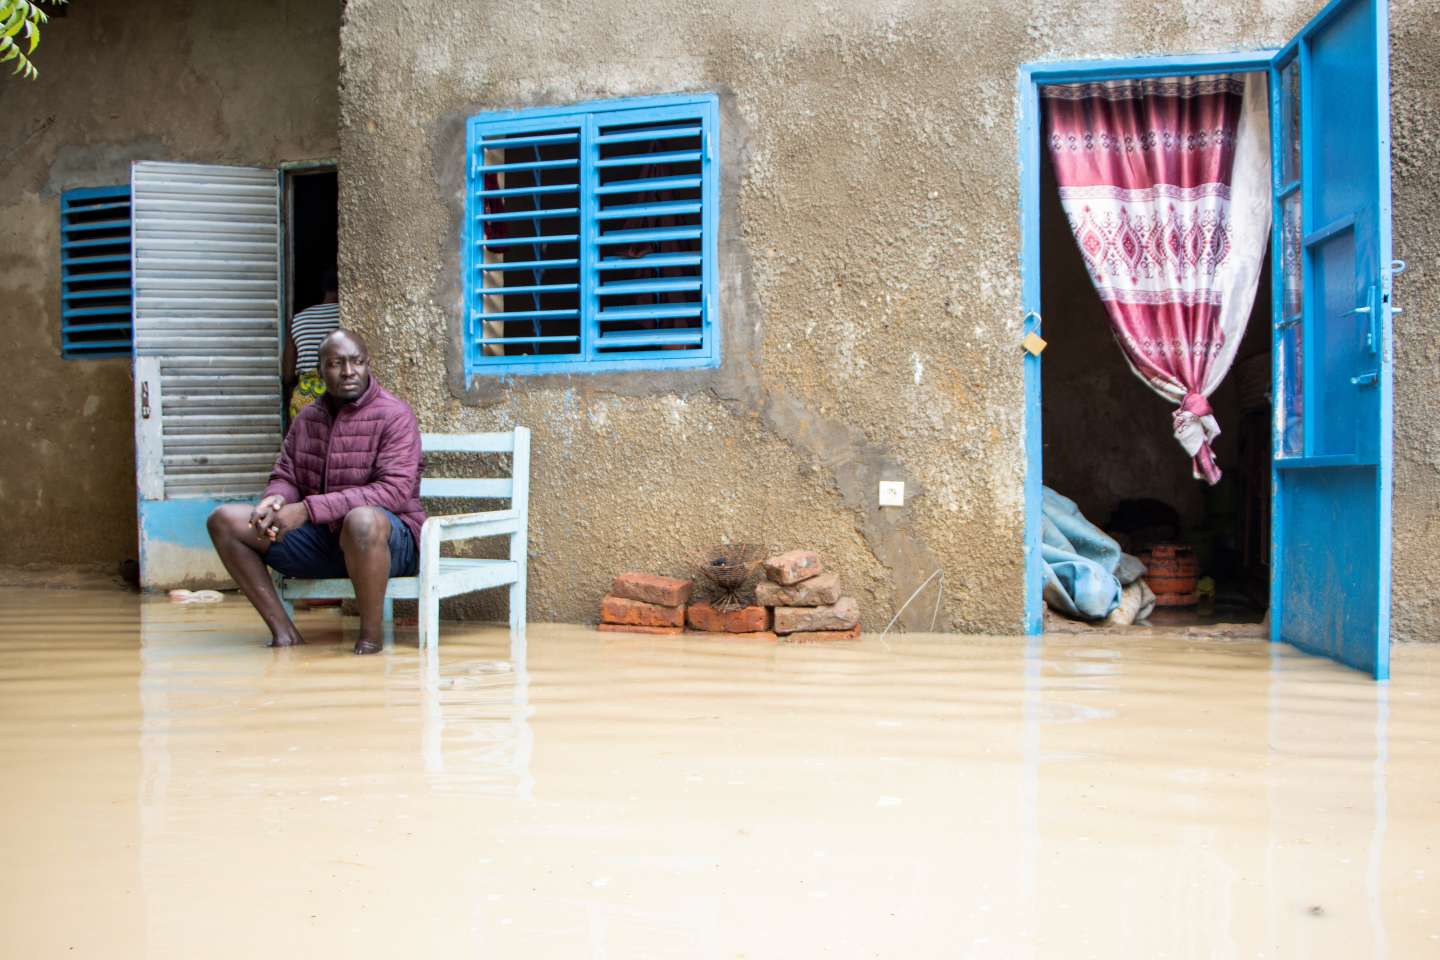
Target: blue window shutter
[(590, 236), (523, 247), (95, 273)]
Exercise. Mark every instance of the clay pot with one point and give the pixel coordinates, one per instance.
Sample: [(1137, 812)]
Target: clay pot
[(1173, 573)]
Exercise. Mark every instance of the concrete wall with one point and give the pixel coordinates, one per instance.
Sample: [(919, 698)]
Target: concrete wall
[(869, 270), (152, 80)]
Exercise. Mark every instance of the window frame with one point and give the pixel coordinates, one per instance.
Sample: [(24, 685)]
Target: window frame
[(587, 117), (122, 343)]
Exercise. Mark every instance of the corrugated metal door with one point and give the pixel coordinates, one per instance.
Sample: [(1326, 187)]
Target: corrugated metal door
[(206, 243)]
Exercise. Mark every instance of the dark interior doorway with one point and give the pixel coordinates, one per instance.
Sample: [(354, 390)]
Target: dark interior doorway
[(1108, 442), (312, 222)]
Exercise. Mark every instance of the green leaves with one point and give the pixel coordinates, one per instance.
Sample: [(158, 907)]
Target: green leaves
[(21, 18)]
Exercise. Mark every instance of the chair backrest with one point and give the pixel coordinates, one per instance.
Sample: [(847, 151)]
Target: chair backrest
[(515, 488)]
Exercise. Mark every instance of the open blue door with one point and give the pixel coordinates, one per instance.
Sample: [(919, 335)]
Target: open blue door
[(1330, 90)]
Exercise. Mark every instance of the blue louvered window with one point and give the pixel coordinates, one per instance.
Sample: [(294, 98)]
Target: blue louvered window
[(590, 237), (95, 282)]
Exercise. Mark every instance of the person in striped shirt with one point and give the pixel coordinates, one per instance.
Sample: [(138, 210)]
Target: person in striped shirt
[(308, 329)]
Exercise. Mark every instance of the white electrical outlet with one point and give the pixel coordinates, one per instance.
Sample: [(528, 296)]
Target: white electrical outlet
[(892, 493)]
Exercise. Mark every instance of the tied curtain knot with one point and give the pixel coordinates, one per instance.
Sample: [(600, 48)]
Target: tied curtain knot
[(1195, 428)]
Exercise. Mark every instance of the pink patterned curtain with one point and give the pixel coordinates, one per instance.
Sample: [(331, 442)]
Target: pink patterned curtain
[(1166, 184)]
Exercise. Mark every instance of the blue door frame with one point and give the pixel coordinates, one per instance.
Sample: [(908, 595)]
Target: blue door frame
[(1032, 77), (1330, 491)]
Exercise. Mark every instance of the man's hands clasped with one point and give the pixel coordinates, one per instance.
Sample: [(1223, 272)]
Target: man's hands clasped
[(272, 518)]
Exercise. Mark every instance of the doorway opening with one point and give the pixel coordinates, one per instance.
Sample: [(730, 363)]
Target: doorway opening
[(1108, 477), (312, 222), (1107, 444)]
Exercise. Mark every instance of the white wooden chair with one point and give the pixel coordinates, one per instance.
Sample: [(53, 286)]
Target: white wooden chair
[(449, 576)]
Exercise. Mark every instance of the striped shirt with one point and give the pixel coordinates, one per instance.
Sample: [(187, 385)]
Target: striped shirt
[(308, 329)]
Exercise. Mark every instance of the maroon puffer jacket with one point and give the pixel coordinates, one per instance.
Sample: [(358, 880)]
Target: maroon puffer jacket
[(367, 455)]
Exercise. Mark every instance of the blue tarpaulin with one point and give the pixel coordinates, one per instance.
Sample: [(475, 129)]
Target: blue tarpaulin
[(1080, 561)]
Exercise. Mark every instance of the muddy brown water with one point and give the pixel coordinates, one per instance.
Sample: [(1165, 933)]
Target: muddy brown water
[(175, 789)]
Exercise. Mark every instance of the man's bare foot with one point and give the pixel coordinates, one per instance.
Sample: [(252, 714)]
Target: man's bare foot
[(292, 639), (365, 646)]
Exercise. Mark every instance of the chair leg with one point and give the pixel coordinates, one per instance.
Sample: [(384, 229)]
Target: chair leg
[(519, 553), (428, 610), (517, 621), (285, 602), (427, 601), (387, 610)]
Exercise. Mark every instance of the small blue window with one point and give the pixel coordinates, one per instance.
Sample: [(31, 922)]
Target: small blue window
[(589, 241), (95, 281)]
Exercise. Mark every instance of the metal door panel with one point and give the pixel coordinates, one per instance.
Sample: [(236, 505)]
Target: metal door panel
[(207, 355)]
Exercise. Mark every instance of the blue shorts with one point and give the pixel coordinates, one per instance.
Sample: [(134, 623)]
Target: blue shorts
[(313, 552)]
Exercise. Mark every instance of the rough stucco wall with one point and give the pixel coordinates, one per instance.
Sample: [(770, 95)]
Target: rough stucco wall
[(870, 264), (157, 80)]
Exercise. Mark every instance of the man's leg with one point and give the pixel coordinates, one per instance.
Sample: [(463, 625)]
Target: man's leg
[(365, 538), (242, 549)]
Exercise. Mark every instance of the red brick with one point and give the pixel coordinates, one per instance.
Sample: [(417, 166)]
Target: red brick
[(818, 591), (636, 613), (632, 628), (842, 615), (705, 618), (760, 636), (651, 588), (792, 567), (819, 636)]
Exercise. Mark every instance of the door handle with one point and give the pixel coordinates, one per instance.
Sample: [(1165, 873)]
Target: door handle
[(1372, 330), (1371, 312)]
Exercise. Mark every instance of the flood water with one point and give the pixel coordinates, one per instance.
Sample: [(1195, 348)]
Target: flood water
[(172, 788)]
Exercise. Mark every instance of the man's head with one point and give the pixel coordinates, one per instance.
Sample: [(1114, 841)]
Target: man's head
[(345, 365), (330, 286)]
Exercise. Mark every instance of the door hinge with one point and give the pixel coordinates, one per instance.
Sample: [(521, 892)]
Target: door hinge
[(145, 400)]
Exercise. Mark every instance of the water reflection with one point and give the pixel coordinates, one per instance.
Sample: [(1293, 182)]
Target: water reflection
[(476, 735), (1326, 782), (201, 678)]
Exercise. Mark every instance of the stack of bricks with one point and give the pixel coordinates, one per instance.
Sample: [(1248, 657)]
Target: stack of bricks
[(645, 603), (806, 600), (744, 623)]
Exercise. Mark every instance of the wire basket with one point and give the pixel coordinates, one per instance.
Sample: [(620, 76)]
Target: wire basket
[(725, 574)]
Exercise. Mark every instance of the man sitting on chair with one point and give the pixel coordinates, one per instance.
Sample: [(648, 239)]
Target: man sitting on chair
[(343, 499)]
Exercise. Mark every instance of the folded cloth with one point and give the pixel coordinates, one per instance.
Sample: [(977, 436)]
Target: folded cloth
[(1080, 561), (1137, 602), (1129, 569)]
